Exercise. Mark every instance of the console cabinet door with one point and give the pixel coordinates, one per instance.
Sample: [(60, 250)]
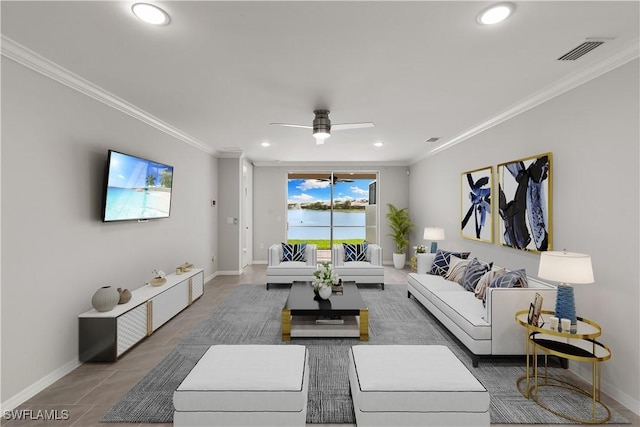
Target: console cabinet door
[(169, 303), (132, 327), (197, 286)]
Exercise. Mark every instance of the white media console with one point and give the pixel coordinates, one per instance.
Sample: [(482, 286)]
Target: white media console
[(105, 336)]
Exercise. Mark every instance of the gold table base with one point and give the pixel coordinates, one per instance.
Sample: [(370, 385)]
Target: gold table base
[(550, 381), (533, 380)]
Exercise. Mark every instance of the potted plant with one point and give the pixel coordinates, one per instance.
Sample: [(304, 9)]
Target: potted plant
[(401, 226)]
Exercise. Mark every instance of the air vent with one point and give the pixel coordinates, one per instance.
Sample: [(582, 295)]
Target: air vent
[(433, 139), (581, 50)]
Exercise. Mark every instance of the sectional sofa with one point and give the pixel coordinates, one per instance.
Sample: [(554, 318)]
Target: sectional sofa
[(486, 328)]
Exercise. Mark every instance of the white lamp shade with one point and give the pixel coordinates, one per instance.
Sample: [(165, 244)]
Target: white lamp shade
[(433, 233), (565, 267)]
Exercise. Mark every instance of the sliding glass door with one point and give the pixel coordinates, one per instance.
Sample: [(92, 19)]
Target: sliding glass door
[(331, 207)]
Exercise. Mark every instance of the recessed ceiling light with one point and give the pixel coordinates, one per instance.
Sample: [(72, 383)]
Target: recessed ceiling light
[(150, 14), (378, 144), (265, 144), (495, 14)]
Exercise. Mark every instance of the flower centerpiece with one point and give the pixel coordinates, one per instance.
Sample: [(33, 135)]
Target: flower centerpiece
[(421, 249), (324, 279)]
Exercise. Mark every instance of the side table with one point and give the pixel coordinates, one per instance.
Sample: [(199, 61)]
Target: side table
[(580, 346)]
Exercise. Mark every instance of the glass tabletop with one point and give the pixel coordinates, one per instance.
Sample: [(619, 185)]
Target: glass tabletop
[(303, 301)]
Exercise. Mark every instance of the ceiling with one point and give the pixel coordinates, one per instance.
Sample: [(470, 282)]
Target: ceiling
[(220, 72)]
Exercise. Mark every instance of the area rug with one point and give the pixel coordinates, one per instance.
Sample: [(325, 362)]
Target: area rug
[(251, 315)]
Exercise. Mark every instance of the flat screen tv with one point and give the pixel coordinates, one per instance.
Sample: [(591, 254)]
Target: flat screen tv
[(136, 188)]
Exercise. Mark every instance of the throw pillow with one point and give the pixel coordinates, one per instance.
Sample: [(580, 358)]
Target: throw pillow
[(511, 279), (457, 267), (485, 281), (475, 270), (293, 251), (355, 252), (441, 262)]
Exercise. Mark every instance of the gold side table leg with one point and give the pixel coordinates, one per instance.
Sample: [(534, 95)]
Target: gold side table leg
[(286, 324), (364, 324), (528, 344)]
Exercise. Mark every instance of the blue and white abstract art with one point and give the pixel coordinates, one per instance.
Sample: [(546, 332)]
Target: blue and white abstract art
[(476, 208), (524, 191)]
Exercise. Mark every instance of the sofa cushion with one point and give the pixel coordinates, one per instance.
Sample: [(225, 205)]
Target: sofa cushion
[(465, 311), (472, 274), (355, 252), (359, 268), (293, 251), (441, 262)]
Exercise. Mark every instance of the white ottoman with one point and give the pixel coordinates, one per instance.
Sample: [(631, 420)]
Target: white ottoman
[(414, 385), (245, 385)]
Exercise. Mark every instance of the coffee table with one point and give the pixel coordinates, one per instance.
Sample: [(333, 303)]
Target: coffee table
[(301, 313)]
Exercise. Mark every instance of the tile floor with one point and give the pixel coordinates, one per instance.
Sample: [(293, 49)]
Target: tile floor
[(93, 388)]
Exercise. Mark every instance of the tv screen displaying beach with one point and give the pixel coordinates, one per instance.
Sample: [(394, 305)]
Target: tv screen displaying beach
[(137, 189)]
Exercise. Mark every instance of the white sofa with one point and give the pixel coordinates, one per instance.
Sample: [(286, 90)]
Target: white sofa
[(489, 330), (279, 271), (369, 271)]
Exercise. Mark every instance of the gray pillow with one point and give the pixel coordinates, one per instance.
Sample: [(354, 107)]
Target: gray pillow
[(474, 271), (512, 279)]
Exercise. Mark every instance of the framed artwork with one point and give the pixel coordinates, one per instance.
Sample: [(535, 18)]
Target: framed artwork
[(524, 206), (475, 202)]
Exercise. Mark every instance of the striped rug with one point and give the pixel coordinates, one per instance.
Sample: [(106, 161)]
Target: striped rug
[(251, 315)]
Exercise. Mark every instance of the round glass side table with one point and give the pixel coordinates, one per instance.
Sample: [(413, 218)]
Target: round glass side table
[(580, 346)]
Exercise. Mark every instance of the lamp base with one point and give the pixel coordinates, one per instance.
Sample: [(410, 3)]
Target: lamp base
[(434, 247), (565, 304)]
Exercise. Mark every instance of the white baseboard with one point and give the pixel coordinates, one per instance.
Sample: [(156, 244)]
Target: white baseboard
[(608, 388), (230, 273), (211, 277), (35, 388)]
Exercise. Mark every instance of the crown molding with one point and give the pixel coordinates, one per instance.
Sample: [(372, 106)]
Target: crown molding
[(349, 164), (624, 55), (28, 58)]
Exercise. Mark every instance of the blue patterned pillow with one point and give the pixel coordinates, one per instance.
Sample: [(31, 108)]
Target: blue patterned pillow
[(512, 279), (440, 264), (293, 251), (475, 270), (355, 252)]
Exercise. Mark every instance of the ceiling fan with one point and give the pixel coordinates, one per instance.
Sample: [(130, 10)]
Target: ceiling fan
[(322, 126), (335, 179)]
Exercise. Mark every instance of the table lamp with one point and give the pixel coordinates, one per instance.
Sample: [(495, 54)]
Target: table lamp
[(434, 234), (565, 267)]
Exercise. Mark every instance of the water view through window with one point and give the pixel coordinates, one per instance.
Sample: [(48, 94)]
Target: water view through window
[(326, 208)]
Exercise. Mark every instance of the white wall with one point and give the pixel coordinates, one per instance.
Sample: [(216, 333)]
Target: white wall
[(56, 252), (270, 203), (593, 133)]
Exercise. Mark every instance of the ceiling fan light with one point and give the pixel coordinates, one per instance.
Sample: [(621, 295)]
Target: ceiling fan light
[(321, 136), (495, 14)]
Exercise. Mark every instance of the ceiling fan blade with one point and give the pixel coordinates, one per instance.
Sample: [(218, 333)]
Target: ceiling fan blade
[(344, 126), (292, 126)]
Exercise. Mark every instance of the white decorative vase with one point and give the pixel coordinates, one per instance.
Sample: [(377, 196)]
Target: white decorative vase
[(399, 260), (105, 298), (324, 292)]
